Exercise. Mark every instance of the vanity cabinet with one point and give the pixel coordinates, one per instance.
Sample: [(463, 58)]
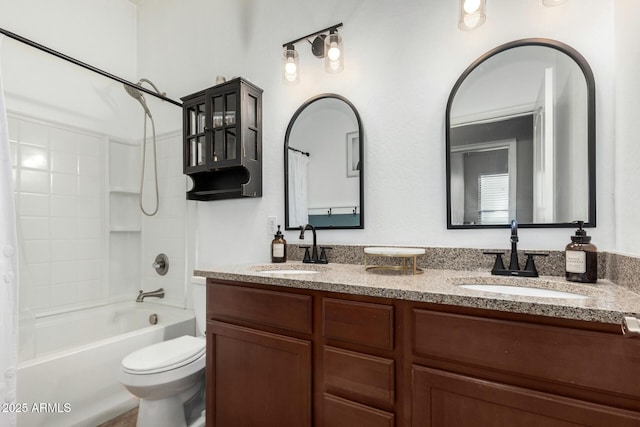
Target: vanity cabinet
[(283, 356), (222, 144)]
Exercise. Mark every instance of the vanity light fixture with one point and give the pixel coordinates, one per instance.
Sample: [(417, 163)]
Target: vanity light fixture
[(290, 65), (553, 2), (327, 44), (472, 14)]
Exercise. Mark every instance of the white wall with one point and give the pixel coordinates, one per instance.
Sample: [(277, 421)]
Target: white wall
[(627, 148), (401, 60)]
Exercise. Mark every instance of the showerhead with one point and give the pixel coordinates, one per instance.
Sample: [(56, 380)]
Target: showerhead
[(136, 94)]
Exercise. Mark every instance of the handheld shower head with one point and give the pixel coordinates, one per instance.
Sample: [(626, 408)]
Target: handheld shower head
[(136, 94)]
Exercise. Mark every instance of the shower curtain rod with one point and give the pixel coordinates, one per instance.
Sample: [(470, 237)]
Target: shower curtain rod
[(86, 66), (299, 151)]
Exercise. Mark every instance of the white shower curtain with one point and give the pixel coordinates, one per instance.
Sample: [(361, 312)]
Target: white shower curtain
[(8, 275), (298, 205)]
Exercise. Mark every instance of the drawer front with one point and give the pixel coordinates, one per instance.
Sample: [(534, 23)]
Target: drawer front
[(581, 358), (339, 412), (359, 377), (358, 322), (283, 310)]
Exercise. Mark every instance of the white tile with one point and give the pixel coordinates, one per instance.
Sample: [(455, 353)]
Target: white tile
[(38, 298), (90, 145), (64, 228), (89, 270), (13, 125), (64, 294), (64, 162), (63, 272), (34, 134), (90, 165), (89, 249), (90, 185), (89, 207), (63, 250), (34, 205), (89, 290), (14, 153), (34, 181), (36, 275), (63, 140), (64, 206), (33, 157), (34, 228), (89, 228), (64, 184), (37, 251)]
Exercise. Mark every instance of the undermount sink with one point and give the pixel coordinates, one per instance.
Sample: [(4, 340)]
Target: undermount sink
[(289, 269), (523, 291), (284, 271)]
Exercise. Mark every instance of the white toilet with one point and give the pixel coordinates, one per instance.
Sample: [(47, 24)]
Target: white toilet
[(168, 377)]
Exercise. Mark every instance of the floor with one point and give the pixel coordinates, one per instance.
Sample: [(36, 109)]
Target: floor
[(128, 419)]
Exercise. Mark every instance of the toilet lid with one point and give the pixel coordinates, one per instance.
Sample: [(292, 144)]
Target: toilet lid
[(164, 356)]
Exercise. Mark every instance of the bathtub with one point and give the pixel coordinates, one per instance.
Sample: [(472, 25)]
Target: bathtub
[(70, 375)]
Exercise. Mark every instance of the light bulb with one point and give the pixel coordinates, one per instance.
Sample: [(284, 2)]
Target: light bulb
[(334, 52), (290, 68), (471, 6)]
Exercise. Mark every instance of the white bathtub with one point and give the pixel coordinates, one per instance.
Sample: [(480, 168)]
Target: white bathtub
[(71, 375)]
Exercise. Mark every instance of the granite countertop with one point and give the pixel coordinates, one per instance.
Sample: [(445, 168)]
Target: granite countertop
[(605, 301)]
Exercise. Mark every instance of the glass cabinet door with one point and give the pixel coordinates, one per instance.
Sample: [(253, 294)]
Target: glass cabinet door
[(195, 137), (224, 116)]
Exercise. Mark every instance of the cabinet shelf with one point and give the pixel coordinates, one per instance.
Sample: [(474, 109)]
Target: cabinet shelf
[(222, 144)]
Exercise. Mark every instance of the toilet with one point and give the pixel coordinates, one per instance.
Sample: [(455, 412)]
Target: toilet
[(168, 377)]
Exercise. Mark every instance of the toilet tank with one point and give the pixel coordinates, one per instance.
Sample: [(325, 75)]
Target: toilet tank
[(199, 299)]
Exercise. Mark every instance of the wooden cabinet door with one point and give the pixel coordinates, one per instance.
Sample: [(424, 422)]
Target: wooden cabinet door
[(256, 378), (443, 399)]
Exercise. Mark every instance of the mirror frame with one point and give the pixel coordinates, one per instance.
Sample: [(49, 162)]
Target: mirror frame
[(591, 130), (299, 111)]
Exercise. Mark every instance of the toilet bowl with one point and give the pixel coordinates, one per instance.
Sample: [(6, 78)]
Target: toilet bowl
[(168, 377)]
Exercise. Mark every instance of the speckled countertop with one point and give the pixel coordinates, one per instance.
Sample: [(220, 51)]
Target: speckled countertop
[(606, 302)]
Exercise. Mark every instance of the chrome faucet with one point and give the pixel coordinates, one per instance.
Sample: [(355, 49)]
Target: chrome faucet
[(158, 293), (514, 266), (313, 258)]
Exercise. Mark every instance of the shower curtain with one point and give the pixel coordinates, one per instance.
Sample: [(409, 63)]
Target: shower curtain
[(8, 275), (298, 206)]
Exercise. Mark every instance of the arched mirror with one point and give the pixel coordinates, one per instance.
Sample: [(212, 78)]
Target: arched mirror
[(323, 165), (520, 139)]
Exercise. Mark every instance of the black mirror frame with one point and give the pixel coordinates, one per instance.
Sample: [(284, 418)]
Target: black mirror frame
[(591, 129), (286, 161)]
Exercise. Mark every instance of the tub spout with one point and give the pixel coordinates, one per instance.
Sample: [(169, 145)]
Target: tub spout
[(158, 293)]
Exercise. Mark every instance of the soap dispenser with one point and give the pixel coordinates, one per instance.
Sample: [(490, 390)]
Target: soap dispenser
[(581, 258), (278, 248)]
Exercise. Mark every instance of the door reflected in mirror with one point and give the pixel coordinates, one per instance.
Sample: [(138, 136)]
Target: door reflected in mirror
[(323, 165), (521, 139)]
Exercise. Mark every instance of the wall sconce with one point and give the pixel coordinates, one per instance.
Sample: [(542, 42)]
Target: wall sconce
[(553, 2), (472, 14), (328, 46)]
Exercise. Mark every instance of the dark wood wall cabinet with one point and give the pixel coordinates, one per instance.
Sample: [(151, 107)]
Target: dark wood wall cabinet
[(294, 357), (222, 144)]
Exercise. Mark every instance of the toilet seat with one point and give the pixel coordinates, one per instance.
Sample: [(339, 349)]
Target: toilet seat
[(164, 356)]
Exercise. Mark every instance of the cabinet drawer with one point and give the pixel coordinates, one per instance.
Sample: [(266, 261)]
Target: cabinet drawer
[(359, 377), (597, 360), (358, 322), (283, 310), (339, 412)]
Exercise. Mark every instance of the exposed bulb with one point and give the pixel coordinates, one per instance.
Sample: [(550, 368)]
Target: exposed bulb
[(290, 68), (334, 52), (471, 6)]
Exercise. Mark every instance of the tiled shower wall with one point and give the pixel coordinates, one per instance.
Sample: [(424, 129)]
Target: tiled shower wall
[(84, 241), (59, 193)]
